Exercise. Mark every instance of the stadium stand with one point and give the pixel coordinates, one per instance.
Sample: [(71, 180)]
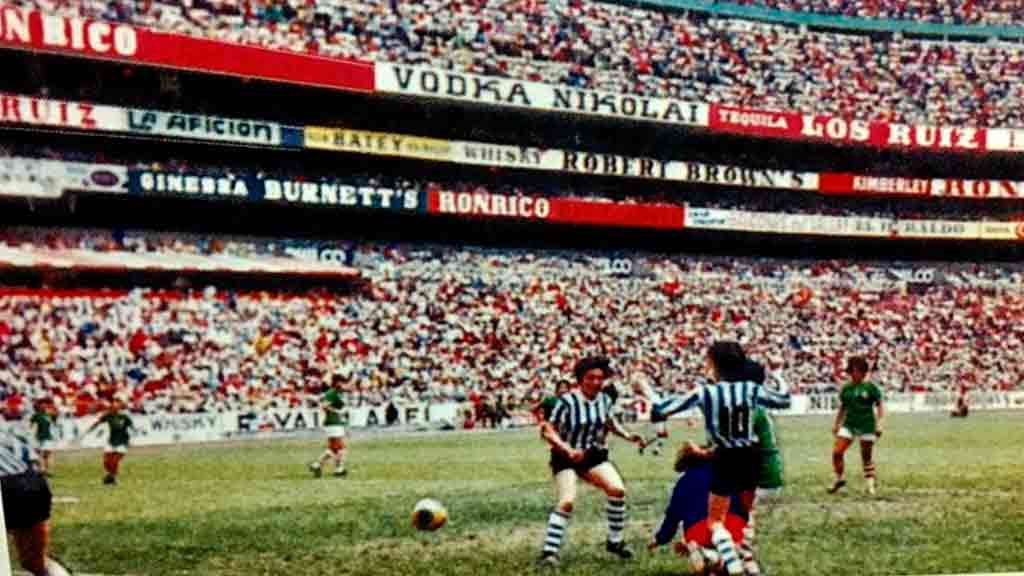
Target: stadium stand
[(987, 12), (626, 49), (446, 323)]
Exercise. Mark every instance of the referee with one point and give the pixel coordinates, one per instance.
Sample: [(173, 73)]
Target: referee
[(577, 430), (26, 505), (729, 407)]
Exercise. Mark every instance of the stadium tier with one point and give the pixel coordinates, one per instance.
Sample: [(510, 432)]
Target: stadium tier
[(727, 74), (990, 12), (441, 323)]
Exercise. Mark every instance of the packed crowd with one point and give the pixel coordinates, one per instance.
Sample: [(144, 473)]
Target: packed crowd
[(458, 324), (986, 12), (622, 49)]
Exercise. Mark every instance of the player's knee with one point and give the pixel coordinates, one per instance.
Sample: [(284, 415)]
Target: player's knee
[(616, 492), (566, 505)]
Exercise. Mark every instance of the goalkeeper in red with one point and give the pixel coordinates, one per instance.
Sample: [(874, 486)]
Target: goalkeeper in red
[(858, 402)]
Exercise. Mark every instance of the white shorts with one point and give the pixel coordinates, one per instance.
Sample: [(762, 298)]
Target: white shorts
[(115, 449), (845, 432), (767, 494), (335, 431), (47, 446)]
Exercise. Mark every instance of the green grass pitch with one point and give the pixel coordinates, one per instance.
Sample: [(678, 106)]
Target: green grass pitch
[(950, 501)]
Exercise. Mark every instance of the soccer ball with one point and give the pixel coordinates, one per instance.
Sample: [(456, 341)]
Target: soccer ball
[(429, 515)]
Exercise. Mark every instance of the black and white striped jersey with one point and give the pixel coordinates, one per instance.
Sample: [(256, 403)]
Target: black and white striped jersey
[(728, 409), (582, 423), (16, 454)]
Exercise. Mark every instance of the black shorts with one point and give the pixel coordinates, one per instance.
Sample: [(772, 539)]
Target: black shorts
[(27, 500), (591, 459), (734, 470)]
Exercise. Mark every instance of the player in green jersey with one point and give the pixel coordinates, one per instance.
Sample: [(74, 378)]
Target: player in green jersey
[(333, 404), (858, 402), (120, 428), (43, 421)]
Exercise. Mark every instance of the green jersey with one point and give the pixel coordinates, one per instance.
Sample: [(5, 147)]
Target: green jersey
[(43, 423), (119, 425), (771, 459), (547, 405), (859, 401), (333, 404)]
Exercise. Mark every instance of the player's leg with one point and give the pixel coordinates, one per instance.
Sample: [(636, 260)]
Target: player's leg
[(731, 473), (108, 465), (32, 544), (340, 451), (718, 508), (45, 456), (867, 444), (842, 443), (558, 520), (606, 478), (116, 459)]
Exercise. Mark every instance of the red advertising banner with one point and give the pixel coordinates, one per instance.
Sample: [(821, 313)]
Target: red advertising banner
[(32, 30), (844, 131), (860, 185), (555, 210)]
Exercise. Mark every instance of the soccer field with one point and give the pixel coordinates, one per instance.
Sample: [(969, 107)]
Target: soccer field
[(950, 501)]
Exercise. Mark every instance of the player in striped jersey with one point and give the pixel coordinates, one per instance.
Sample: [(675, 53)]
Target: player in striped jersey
[(26, 502), (576, 431), (729, 407)]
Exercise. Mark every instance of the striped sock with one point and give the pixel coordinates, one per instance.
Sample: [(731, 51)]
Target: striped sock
[(722, 540), (747, 549), (869, 471), (557, 524), (616, 519)]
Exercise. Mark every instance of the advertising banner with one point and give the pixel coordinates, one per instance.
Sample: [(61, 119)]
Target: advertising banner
[(939, 187), (418, 413), (1012, 231), (199, 127), (267, 189), (38, 178), (34, 30), (556, 210), (812, 224), (379, 143), (15, 109), (838, 130), (489, 90)]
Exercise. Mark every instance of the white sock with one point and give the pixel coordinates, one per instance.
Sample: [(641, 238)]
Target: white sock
[(616, 519)]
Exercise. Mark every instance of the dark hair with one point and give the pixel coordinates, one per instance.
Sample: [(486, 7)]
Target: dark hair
[(591, 363), (730, 360), (858, 363), (753, 371)]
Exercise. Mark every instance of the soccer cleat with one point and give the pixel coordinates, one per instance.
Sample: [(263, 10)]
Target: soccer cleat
[(109, 480), (340, 472), (549, 560), (619, 549), (315, 468), (836, 486)]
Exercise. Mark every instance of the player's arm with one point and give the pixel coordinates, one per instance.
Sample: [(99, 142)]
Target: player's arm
[(772, 399), (880, 417), (675, 404), (95, 425), (615, 427), (840, 417), (549, 432)]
